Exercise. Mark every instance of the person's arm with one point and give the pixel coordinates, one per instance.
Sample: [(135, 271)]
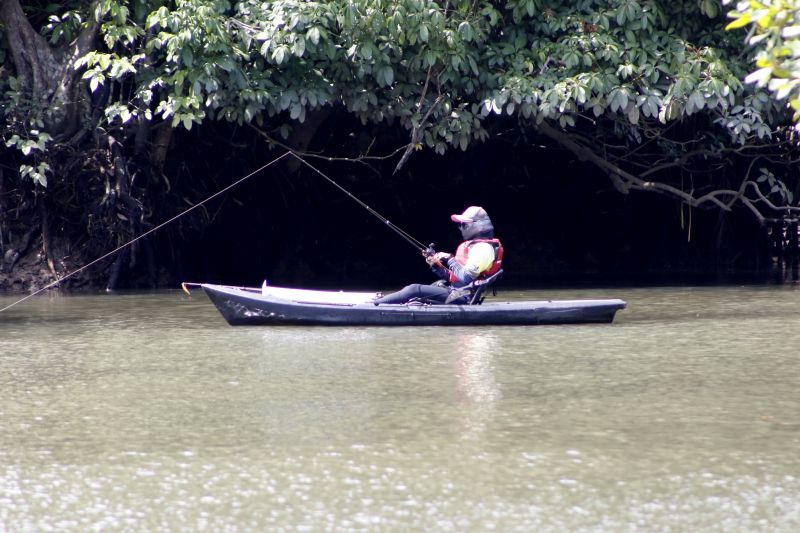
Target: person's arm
[(440, 271), (438, 263), (462, 275), (481, 257)]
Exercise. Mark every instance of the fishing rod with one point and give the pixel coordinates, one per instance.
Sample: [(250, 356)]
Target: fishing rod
[(414, 242), (405, 235), (145, 234)]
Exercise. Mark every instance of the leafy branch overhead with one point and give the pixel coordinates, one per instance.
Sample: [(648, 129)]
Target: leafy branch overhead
[(634, 82), (627, 60)]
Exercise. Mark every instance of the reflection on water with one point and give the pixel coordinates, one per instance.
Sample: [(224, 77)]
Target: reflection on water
[(474, 368), (148, 413), (476, 388)]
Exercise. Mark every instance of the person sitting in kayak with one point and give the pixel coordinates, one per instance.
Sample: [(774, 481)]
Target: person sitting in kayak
[(478, 257)]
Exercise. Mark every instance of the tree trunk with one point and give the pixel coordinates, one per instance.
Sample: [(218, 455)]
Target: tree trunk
[(794, 250), (51, 91), (3, 211), (47, 238), (160, 148), (302, 135), (47, 75), (116, 271)]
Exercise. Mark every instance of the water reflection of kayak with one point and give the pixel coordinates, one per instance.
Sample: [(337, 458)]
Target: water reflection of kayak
[(281, 305)]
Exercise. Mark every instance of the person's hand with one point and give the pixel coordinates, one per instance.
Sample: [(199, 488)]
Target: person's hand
[(442, 258)]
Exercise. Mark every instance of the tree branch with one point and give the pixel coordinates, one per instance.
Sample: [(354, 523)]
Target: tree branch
[(749, 194), (417, 128), (362, 159)]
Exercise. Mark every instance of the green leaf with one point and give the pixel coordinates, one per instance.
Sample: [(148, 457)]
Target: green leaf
[(366, 51), (299, 47), (697, 101), (429, 59), (187, 56), (423, 33), (313, 35), (388, 75), (760, 77), (790, 32), (279, 54), (633, 115), (740, 22), (473, 65), (465, 30)]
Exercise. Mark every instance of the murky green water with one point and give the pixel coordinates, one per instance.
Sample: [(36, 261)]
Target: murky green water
[(149, 413)]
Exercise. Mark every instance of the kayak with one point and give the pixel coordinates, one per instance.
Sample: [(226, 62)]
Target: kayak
[(269, 305)]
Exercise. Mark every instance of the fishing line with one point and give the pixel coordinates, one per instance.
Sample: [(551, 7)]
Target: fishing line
[(414, 242), (145, 234)]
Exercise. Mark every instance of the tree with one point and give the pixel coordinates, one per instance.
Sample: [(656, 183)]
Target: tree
[(775, 33), (648, 91), (58, 128), (47, 101), (629, 72)]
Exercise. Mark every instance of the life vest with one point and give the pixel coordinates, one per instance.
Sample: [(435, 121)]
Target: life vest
[(462, 256)]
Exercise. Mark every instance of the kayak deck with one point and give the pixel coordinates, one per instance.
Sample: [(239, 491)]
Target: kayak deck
[(279, 305)]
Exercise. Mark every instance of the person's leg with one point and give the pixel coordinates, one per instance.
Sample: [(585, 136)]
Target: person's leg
[(416, 290)]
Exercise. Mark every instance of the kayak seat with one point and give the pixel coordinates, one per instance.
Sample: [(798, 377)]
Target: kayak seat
[(473, 293)]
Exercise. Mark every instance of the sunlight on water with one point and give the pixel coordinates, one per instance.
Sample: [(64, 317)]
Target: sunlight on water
[(146, 412)]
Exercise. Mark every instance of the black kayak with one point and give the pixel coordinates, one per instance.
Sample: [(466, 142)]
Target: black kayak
[(279, 305)]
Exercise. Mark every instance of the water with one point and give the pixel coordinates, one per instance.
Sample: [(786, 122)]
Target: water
[(147, 412)]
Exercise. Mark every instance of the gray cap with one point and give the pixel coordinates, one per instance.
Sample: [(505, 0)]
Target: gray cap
[(471, 214)]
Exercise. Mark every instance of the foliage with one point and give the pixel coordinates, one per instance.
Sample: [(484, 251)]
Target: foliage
[(775, 33), (628, 60), (610, 73), (636, 61)]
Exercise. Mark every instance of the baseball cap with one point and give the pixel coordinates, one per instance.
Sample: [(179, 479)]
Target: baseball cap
[(470, 214)]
